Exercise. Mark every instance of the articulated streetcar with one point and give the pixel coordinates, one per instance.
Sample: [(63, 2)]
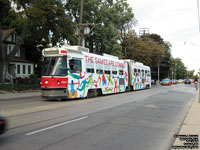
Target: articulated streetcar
[(73, 72)]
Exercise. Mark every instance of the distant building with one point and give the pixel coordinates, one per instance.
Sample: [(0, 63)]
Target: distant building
[(19, 66)]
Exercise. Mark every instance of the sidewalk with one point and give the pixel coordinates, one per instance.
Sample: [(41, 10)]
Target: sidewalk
[(189, 134), (16, 96)]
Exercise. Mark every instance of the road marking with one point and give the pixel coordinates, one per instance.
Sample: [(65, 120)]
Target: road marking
[(151, 106), (54, 126), (139, 100)]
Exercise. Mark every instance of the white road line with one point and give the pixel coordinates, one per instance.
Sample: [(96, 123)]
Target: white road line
[(34, 132), (139, 100)]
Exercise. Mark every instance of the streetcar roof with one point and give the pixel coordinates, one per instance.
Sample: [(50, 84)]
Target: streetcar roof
[(82, 51)]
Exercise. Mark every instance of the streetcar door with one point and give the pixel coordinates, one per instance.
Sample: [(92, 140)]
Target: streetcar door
[(74, 77)]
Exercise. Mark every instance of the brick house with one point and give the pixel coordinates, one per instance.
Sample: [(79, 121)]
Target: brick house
[(19, 66)]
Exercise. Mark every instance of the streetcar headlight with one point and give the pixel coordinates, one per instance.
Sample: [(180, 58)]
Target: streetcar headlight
[(46, 82), (58, 83)]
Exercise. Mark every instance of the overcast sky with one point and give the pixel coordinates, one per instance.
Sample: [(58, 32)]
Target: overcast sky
[(176, 21)]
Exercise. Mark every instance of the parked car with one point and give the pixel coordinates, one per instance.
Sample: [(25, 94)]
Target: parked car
[(180, 81), (174, 81), (192, 80), (187, 81), (166, 82), (2, 124)]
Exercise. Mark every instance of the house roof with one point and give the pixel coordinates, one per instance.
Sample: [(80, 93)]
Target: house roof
[(15, 59), (6, 33)]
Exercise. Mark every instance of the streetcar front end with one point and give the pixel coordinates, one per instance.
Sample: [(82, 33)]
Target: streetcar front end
[(54, 80)]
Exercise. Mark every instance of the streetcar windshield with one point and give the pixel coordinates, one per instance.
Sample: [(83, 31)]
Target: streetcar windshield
[(54, 66)]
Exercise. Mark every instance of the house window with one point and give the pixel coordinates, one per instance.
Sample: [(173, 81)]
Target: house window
[(24, 69), (10, 48), (18, 53), (13, 37), (18, 69), (29, 69)]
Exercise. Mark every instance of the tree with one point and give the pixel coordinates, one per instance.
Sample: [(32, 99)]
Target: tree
[(151, 50), (42, 22), (143, 49), (161, 58), (106, 18), (137, 49), (9, 19), (190, 74), (178, 70)]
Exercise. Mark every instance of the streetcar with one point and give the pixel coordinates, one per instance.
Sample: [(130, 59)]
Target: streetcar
[(72, 72)]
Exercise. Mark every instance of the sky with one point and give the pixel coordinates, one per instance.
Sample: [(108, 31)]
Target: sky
[(176, 21)]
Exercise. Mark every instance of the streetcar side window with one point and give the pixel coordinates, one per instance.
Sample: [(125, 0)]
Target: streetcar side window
[(142, 72), (121, 72), (75, 66), (148, 73), (114, 72), (90, 70), (107, 71), (99, 71), (135, 71)]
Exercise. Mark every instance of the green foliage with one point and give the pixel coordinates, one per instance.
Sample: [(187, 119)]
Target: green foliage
[(190, 74), (151, 50), (178, 70), (9, 18), (54, 21), (107, 18), (144, 49), (48, 23)]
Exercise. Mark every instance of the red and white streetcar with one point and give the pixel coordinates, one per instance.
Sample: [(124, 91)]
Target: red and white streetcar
[(73, 72)]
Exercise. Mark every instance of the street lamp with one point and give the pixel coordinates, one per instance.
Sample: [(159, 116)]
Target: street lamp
[(83, 29)]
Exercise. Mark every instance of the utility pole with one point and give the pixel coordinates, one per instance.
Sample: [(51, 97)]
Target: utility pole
[(80, 36), (81, 13), (175, 70), (158, 72)]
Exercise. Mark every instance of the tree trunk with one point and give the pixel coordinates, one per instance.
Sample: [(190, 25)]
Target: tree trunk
[(3, 66), (2, 59)]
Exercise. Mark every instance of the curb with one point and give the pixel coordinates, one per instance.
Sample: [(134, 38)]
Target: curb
[(19, 98), (175, 140)]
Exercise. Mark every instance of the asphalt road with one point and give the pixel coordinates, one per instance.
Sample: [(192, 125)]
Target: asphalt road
[(141, 120)]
